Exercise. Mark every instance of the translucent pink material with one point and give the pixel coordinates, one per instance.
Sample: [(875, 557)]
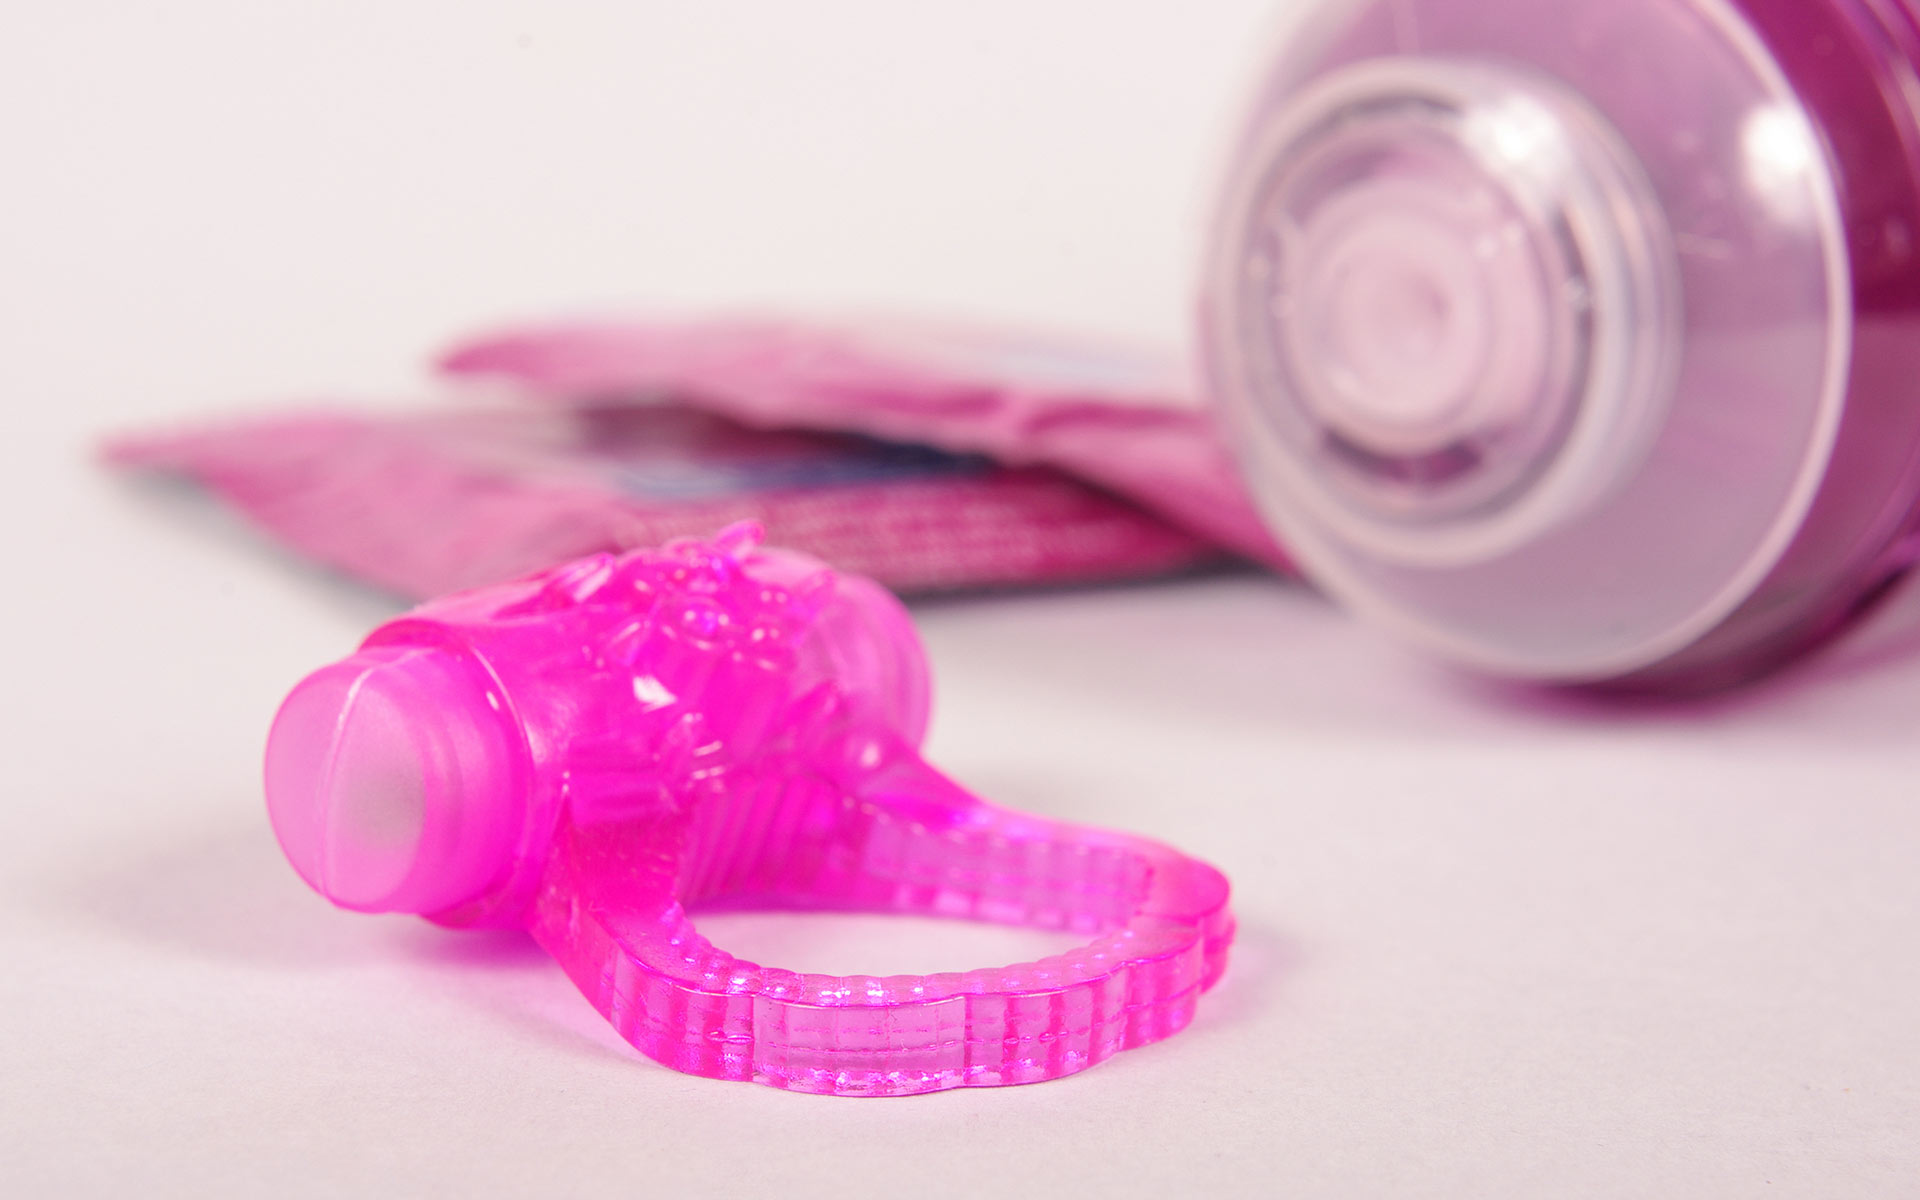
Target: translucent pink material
[(590, 752)]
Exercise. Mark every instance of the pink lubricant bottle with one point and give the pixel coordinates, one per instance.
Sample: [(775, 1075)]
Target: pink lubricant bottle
[(1580, 342), (595, 752)]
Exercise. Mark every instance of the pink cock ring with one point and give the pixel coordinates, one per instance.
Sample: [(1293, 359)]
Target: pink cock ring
[(589, 752)]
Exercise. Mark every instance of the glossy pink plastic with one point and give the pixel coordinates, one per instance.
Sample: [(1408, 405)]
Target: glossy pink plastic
[(592, 751)]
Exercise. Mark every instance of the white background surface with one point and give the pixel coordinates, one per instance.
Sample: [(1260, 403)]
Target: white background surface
[(1491, 945)]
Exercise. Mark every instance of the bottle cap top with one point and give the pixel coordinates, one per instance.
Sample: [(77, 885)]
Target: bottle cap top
[(1528, 353)]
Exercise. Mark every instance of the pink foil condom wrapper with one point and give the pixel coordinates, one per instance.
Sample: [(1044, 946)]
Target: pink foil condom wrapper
[(931, 461), (1119, 418)]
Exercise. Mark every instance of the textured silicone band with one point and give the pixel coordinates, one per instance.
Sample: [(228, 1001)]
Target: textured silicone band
[(1161, 923)]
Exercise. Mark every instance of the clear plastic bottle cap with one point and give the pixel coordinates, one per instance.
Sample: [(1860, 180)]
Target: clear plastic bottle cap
[(1528, 353), (1473, 304)]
